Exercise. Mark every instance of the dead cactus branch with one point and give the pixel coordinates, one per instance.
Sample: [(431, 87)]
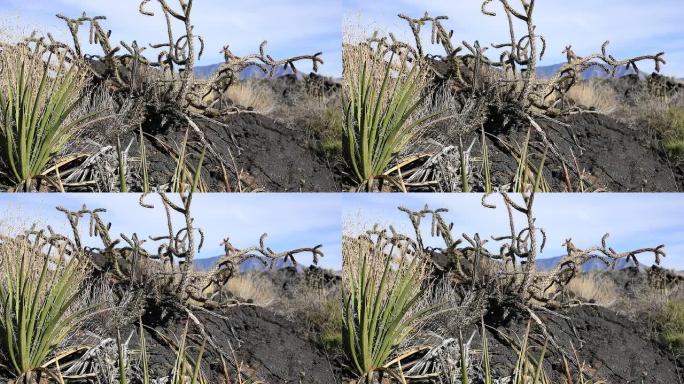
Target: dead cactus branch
[(514, 72), (169, 78), (169, 271), (206, 99), (511, 271), (178, 51), (229, 264)]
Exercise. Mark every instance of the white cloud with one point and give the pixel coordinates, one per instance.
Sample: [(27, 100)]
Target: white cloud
[(632, 26)]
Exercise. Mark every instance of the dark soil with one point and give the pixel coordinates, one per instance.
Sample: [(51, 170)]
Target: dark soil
[(612, 156), (613, 348), (269, 155), (267, 346), (588, 152)]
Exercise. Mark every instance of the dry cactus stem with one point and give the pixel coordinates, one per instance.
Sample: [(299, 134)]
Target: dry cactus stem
[(177, 51), (169, 78), (229, 264), (514, 74), (126, 262), (512, 270)]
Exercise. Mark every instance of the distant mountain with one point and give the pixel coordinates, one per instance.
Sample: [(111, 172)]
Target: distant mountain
[(203, 265), (205, 71), (590, 266), (591, 73)]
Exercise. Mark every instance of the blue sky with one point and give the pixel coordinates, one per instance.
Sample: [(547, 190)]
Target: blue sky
[(292, 27), (291, 220), (634, 27), (633, 220)]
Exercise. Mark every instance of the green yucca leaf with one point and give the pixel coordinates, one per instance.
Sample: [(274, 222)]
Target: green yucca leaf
[(380, 120), (486, 165), (143, 163), (143, 355), (123, 378), (36, 295), (37, 104), (183, 362), (485, 356), (379, 301)]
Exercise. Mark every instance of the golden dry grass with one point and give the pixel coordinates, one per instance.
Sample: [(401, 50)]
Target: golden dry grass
[(594, 288), (252, 95), (594, 95), (252, 288)]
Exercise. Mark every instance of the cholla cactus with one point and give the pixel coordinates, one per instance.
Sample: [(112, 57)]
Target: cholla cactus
[(125, 262), (169, 78), (512, 271), (514, 73)]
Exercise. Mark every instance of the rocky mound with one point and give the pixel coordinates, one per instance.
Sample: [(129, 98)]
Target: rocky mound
[(612, 156), (269, 155), (612, 347), (264, 343)]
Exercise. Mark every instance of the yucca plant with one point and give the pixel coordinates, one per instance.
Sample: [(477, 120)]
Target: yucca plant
[(380, 294), (382, 101), (36, 296), (38, 102)]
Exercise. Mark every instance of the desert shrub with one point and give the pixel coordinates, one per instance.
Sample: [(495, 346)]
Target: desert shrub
[(593, 95), (593, 288), (38, 99), (673, 130), (380, 292), (316, 311), (252, 288), (382, 101), (36, 311), (331, 334), (252, 95), (673, 325), (333, 120)]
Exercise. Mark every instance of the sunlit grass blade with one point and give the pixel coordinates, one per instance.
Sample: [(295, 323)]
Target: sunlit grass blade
[(143, 163), (486, 166)]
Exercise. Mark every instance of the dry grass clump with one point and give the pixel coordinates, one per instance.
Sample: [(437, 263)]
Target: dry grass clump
[(593, 288), (252, 288), (673, 132), (661, 113), (253, 96), (318, 115), (673, 325), (593, 95), (115, 309)]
